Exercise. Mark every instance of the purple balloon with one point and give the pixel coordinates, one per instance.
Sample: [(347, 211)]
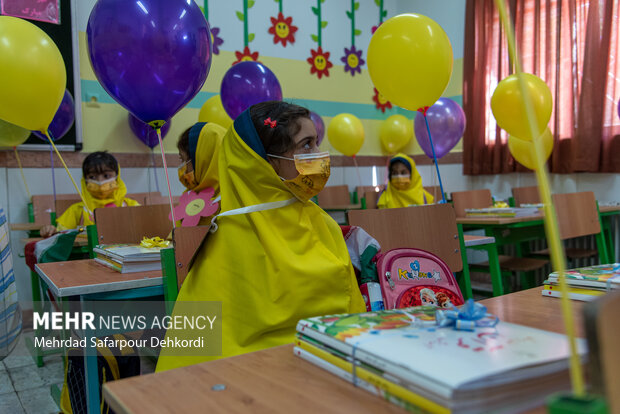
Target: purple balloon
[(151, 56), (618, 108), (446, 121), (319, 125), (63, 119), (147, 133), (248, 83)]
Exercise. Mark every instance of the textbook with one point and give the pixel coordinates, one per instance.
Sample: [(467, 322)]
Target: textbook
[(128, 258), (441, 369), (502, 212), (606, 276)]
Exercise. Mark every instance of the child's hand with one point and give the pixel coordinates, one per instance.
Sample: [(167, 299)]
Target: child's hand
[(47, 230)]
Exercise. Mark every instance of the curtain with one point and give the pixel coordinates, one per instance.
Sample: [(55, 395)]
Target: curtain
[(573, 45)]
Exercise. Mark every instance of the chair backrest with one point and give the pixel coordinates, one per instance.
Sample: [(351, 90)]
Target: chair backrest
[(157, 199), (371, 198), (431, 228), (577, 214), (130, 224), (42, 205), (471, 199), (63, 205), (603, 341), (187, 241), (435, 191), (336, 195), (526, 195), (362, 189)]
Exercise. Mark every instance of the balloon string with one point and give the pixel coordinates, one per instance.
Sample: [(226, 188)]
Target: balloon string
[(53, 176), (163, 157), (68, 172), (428, 129), (155, 170), (551, 223), (21, 170)]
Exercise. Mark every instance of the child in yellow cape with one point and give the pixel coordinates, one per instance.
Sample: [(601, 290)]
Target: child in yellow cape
[(405, 186), (101, 187), (199, 147), (281, 260)]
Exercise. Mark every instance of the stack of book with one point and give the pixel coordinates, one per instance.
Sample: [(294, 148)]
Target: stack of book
[(402, 356), (585, 283), (502, 212), (128, 258)]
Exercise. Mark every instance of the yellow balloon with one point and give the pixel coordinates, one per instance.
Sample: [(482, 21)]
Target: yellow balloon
[(508, 110), (213, 111), (523, 150), (32, 75), (346, 134), (410, 60), (12, 135), (395, 133)]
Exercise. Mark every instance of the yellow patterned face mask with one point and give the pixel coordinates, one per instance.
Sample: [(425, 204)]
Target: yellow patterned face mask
[(401, 182), (102, 189), (313, 169), (187, 178)]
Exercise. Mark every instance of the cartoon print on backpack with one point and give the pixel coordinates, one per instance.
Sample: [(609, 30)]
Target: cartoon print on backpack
[(443, 300), (436, 276), (415, 269), (428, 298)]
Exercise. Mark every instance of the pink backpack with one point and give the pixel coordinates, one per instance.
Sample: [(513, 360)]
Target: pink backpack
[(415, 277)]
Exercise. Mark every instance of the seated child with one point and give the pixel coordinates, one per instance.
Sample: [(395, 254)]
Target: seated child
[(405, 186), (101, 187), (199, 148)]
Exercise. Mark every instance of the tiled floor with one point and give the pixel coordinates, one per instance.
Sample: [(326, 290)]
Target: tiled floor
[(24, 388)]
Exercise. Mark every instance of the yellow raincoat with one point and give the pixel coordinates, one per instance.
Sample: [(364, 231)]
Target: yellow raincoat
[(269, 268), (413, 195), (76, 215)]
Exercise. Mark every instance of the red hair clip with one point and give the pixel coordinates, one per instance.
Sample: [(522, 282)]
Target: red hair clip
[(271, 123)]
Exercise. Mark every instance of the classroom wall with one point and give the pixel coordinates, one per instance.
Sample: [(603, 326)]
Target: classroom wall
[(105, 122)]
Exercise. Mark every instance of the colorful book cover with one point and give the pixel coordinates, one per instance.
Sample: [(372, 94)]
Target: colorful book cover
[(400, 344), (601, 274)]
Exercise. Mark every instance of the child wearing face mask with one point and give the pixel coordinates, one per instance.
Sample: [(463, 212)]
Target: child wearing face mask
[(198, 149), (101, 187), (405, 186), (275, 257)]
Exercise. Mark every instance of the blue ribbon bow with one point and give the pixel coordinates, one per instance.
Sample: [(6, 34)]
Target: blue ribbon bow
[(472, 315)]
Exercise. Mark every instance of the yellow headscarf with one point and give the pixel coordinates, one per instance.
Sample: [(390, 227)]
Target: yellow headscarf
[(269, 268), (204, 154), (77, 215), (413, 195), (204, 148)]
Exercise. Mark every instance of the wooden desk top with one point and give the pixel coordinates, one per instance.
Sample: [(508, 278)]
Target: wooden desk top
[(498, 220), (79, 241), (80, 277), (472, 240), (276, 381), (342, 207), (608, 209), (25, 226)]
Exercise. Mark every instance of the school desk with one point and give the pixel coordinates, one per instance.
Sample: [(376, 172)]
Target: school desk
[(276, 381), (90, 280)]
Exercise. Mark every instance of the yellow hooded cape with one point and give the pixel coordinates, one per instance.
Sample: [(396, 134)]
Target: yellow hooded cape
[(269, 268), (204, 146), (413, 195), (77, 215)]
